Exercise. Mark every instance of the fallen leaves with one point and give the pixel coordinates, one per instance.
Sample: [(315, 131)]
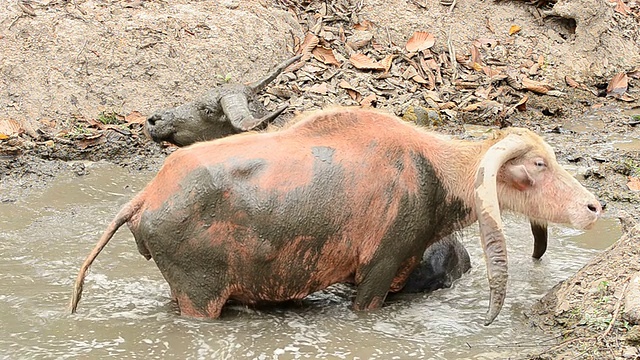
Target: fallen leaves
[(308, 44), (617, 87), (351, 90), (634, 183), (135, 117), (364, 25), (420, 41), (539, 87), (325, 55), (514, 29), (363, 62), (9, 128), (368, 101), (621, 7), (321, 88), (618, 84)]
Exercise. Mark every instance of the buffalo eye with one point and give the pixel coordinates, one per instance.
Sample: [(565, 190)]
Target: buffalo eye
[(205, 109), (540, 164)]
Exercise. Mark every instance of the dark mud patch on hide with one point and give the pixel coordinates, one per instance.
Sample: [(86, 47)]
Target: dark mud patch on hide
[(252, 226), (421, 220)]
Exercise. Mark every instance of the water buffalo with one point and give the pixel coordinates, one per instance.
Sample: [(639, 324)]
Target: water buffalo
[(221, 112), (343, 195)]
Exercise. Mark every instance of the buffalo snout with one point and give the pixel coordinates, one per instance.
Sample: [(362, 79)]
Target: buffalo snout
[(159, 125)]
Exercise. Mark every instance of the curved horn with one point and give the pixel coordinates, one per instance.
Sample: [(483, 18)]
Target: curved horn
[(262, 83), (236, 107), (488, 212), (540, 237)]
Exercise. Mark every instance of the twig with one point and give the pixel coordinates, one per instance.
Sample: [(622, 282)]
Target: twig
[(75, 5), (452, 56), (81, 50), (615, 312), (453, 4), (389, 37), (15, 20), (26, 8)]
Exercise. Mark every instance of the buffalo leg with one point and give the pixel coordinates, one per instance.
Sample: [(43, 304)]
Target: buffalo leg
[(373, 288), (212, 310)]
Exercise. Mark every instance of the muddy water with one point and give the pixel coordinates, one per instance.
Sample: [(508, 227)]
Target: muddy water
[(126, 311)]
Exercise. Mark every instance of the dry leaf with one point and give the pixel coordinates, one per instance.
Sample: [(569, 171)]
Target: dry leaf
[(522, 104), (95, 124), (634, 183), (135, 117), (10, 127), (91, 141), (475, 57), (622, 8), (626, 97), (419, 79), (420, 41), (514, 29), (618, 85), (368, 100), (533, 70), (319, 89), (409, 73), (376, 45), (471, 107), (490, 72), (354, 95), (448, 105), (535, 86), (433, 95), (325, 55), (310, 42), (572, 83), (541, 61), (386, 62), (361, 61), (344, 84), (364, 25)]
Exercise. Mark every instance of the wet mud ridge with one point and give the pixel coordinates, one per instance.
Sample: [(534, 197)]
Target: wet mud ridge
[(596, 312)]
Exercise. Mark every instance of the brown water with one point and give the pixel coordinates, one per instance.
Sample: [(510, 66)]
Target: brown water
[(126, 311)]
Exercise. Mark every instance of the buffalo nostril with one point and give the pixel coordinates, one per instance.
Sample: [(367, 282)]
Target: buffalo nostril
[(592, 208)]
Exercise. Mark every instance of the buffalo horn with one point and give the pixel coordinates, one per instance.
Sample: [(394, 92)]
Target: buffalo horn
[(489, 220), (236, 107), (262, 83)]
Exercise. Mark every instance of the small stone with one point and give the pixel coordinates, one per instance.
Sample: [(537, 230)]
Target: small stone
[(630, 352), (632, 300), (633, 335), (230, 4), (423, 116)]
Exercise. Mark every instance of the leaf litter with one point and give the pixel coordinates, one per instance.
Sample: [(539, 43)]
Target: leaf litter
[(345, 61)]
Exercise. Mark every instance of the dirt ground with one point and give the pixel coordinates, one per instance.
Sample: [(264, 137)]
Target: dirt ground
[(78, 78), (591, 313)]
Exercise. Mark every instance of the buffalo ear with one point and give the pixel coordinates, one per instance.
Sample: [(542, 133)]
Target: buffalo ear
[(518, 177)]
